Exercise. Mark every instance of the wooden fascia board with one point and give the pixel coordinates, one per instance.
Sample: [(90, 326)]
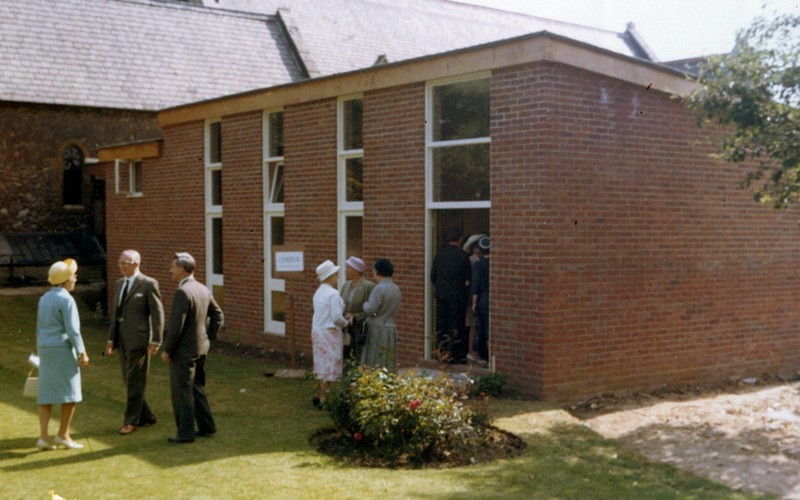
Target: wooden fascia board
[(523, 50), (130, 151)]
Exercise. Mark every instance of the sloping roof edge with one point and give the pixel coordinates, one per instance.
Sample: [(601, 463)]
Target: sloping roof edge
[(540, 46)]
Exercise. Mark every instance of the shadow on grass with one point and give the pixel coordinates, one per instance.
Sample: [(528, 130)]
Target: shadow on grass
[(254, 414)]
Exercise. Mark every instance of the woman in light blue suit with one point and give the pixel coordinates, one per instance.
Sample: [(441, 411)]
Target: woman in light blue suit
[(61, 352)]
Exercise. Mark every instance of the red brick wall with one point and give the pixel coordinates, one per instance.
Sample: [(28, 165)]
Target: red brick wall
[(394, 203), (243, 226), (623, 256), (169, 217), (310, 203)]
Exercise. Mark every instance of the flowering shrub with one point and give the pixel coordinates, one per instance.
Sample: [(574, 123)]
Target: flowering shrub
[(401, 417)]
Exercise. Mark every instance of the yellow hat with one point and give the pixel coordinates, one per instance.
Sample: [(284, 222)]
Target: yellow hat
[(61, 271)]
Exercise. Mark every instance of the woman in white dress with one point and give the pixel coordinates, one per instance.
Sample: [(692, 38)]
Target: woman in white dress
[(326, 331)]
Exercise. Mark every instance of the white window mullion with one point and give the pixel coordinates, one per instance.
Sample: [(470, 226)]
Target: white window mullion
[(213, 202), (273, 171), (350, 150)]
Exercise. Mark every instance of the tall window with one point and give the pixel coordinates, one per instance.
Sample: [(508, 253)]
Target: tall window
[(457, 166), (213, 196), (274, 289), (72, 181), (458, 142), (350, 122)]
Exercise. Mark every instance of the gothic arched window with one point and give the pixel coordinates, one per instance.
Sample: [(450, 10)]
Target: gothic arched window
[(73, 176)]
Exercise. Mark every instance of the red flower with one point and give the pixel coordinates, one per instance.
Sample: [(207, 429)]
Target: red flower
[(414, 404), (357, 436)]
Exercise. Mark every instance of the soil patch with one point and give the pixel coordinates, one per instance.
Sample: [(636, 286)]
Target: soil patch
[(268, 356), (495, 444), (744, 434)]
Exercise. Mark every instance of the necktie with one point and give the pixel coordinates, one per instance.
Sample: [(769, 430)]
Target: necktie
[(124, 293), (119, 308)]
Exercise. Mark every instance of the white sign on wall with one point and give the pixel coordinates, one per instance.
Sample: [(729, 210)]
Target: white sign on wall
[(288, 262)]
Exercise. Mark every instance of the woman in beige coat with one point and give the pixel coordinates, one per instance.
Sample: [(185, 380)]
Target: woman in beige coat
[(355, 292)]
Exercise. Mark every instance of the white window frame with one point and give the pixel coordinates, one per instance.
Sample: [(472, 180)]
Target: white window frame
[(131, 192), (430, 204), (345, 208), (211, 211), (271, 211)]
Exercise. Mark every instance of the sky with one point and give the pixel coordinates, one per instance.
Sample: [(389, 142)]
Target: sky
[(673, 29)]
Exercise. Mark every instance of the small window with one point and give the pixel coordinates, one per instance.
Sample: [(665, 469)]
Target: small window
[(216, 187), (214, 143), (214, 165), (461, 110), (461, 173), (72, 185), (128, 175), (275, 183), (136, 177), (275, 135), (353, 116), (355, 179), (216, 245)]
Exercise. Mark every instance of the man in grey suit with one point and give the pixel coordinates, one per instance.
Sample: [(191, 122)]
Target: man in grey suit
[(194, 321), (136, 330)]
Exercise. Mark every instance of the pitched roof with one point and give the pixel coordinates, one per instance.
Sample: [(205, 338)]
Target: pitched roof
[(152, 54), (135, 54), (344, 35)]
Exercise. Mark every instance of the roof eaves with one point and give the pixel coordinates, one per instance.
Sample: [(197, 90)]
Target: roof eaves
[(515, 55)]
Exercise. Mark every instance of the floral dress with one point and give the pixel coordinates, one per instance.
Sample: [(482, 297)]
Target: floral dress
[(326, 333)]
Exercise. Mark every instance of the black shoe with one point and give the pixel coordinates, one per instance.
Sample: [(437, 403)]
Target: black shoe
[(180, 440), (150, 421), (205, 433), (315, 402)]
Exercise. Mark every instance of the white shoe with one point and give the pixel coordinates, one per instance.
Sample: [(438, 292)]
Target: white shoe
[(45, 445), (72, 445)]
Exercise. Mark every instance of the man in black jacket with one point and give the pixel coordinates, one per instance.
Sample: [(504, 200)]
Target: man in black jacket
[(450, 275)]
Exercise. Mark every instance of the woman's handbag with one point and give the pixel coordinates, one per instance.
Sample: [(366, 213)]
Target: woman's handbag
[(361, 333), (31, 389)]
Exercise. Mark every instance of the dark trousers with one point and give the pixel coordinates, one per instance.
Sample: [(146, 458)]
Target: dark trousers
[(135, 367), (189, 401), (481, 338), (451, 330)]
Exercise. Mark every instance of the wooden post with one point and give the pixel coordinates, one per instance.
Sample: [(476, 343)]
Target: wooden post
[(289, 261)]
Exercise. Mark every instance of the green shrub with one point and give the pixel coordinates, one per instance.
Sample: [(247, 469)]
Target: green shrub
[(492, 384), (406, 417)]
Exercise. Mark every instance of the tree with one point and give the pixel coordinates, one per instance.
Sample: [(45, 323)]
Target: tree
[(754, 93)]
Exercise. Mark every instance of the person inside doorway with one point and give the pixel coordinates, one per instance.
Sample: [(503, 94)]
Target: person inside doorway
[(450, 275), (479, 297)]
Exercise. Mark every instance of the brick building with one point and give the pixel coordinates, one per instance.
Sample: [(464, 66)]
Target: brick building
[(79, 75), (624, 257)]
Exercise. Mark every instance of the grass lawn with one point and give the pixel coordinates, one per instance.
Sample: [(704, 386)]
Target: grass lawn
[(262, 450)]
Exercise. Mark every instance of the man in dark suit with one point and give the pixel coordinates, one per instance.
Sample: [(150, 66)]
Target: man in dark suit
[(195, 320), (136, 333), (450, 275)]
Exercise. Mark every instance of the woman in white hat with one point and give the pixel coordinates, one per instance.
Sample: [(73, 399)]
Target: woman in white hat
[(61, 353), (326, 331)]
